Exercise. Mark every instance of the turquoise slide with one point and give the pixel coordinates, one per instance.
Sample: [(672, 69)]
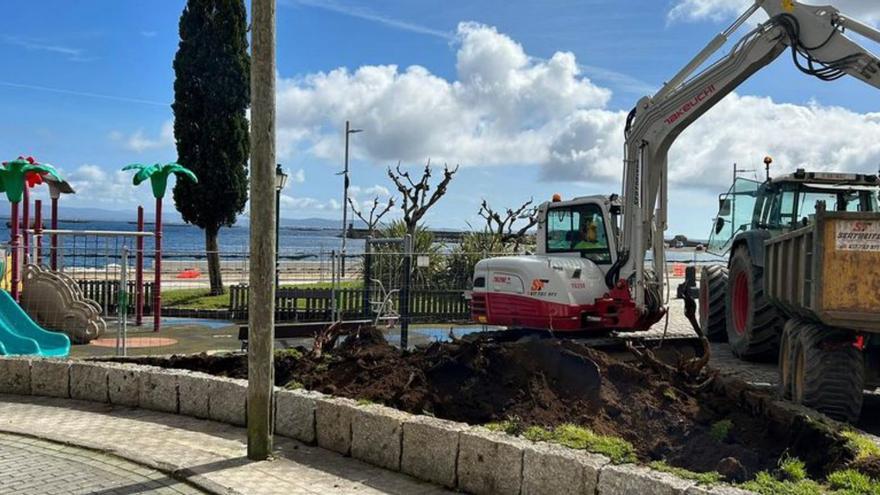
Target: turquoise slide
[(19, 335)]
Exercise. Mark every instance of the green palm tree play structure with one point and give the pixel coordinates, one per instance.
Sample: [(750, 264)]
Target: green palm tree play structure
[(14, 178), (158, 176)]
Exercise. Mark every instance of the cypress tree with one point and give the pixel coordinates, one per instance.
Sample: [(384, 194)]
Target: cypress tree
[(211, 96)]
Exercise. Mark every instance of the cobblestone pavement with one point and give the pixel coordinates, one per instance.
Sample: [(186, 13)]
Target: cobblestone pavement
[(759, 374), (209, 455), (33, 466)]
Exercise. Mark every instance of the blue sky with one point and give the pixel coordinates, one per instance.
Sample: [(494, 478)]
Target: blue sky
[(87, 87)]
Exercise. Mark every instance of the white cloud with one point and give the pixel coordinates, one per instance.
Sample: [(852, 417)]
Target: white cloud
[(500, 110), (98, 187), (721, 10), (588, 146), (371, 192), (508, 108), (140, 142), (814, 136), (307, 203), (741, 129), (299, 176)]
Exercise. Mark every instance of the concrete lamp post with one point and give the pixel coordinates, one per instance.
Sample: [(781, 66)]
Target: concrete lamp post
[(158, 176)]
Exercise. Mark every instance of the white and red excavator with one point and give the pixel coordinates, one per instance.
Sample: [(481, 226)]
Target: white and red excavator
[(589, 272)]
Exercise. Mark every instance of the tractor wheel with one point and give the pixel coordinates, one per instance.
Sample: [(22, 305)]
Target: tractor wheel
[(828, 372), (787, 346), (753, 324), (713, 296)]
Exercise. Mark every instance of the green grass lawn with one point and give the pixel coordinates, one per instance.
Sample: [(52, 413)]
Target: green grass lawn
[(194, 299), (201, 299)]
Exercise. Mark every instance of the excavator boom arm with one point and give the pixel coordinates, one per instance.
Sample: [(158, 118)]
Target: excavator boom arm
[(820, 47)]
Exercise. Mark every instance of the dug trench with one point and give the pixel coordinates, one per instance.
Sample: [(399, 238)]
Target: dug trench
[(548, 383)]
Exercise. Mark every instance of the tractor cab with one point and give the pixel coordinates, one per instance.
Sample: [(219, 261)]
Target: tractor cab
[(787, 203)]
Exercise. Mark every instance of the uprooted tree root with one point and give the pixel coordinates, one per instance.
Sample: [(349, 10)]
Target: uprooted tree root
[(689, 373)]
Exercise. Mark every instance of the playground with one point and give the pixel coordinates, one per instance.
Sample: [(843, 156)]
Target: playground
[(89, 292), (48, 301)]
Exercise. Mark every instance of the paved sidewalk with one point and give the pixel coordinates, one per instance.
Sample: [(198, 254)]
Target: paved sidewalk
[(208, 455), (29, 466)]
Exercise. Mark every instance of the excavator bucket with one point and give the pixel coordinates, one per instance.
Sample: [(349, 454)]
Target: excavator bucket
[(573, 374)]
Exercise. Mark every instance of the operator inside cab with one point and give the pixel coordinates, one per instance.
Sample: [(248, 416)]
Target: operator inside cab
[(578, 229), (588, 236)]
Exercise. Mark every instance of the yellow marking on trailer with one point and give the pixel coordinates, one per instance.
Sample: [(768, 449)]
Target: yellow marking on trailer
[(788, 5)]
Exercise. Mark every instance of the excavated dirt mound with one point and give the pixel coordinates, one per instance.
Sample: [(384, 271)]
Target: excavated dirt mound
[(548, 383)]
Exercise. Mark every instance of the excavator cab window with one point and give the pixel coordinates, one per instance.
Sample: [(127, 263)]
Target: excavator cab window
[(578, 229)]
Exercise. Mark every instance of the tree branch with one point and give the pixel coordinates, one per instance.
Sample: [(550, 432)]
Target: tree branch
[(373, 219), (416, 198), (502, 227)]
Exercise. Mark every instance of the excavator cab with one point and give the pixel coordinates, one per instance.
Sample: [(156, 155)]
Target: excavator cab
[(583, 227)]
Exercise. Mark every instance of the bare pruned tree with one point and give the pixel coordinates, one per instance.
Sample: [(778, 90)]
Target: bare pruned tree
[(372, 220), (502, 225), (418, 197)]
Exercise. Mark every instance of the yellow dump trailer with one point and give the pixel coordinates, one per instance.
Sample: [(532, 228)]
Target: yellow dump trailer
[(828, 271), (825, 279)]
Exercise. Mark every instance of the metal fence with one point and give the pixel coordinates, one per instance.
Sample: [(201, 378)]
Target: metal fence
[(390, 279)]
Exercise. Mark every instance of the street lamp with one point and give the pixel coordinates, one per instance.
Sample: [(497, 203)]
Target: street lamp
[(280, 182), (348, 132)]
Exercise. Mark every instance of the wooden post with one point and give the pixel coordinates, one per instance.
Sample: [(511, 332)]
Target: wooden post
[(139, 271), (261, 303)]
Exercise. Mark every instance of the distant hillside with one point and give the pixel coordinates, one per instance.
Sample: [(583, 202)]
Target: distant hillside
[(311, 223)]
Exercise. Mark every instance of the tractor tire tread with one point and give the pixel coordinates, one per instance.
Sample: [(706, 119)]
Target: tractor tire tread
[(834, 378), (790, 335), (715, 322), (767, 322)]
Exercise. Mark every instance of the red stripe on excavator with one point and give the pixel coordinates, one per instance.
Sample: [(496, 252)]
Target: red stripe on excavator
[(614, 312), (513, 310)]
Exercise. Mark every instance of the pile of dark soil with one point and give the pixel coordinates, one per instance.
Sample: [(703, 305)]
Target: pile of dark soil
[(548, 383)]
